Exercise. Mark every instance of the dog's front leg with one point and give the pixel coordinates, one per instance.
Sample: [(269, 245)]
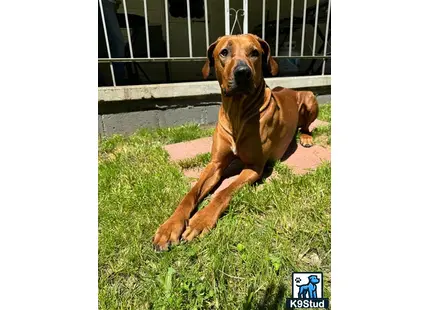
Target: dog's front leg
[(170, 231), (206, 218)]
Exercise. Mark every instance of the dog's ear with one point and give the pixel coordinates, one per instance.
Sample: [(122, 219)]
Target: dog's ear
[(267, 58), (209, 61)]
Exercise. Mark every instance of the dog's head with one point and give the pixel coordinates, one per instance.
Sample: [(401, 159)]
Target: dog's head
[(238, 61), (314, 279)]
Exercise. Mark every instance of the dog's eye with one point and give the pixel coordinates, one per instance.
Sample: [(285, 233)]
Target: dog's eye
[(224, 52), (255, 53)]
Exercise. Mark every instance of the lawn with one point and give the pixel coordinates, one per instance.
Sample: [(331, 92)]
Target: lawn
[(269, 231)]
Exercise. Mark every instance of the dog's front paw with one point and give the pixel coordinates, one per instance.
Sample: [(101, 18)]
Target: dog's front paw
[(306, 140), (200, 224), (168, 233)]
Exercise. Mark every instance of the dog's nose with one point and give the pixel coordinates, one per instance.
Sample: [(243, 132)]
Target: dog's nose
[(242, 73)]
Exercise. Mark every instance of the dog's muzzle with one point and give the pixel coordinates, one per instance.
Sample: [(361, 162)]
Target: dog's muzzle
[(241, 81)]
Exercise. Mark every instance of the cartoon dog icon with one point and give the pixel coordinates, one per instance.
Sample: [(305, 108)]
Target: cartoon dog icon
[(309, 289)]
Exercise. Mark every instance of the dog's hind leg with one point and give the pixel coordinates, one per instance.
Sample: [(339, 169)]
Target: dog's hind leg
[(308, 112)]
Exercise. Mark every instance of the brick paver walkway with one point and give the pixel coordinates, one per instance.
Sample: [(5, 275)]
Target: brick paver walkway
[(298, 158)]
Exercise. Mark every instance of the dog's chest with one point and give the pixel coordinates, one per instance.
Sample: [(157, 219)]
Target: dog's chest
[(236, 145), (247, 149), (233, 148)]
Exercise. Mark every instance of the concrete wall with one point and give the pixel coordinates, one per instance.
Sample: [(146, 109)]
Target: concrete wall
[(202, 111), (133, 115), (123, 110)]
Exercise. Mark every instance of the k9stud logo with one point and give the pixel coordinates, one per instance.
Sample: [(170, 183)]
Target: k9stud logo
[(307, 289)]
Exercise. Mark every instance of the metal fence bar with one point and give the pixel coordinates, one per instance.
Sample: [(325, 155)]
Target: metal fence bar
[(107, 42), (315, 27), (245, 16), (171, 59), (263, 24), (166, 11), (278, 7), (128, 28), (146, 29), (227, 16), (303, 27), (291, 27), (326, 36), (190, 39), (206, 23)]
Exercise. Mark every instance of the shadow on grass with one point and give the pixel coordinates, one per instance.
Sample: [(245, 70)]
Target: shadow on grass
[(273, 298)]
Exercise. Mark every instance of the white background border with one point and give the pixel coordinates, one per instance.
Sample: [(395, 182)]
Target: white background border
[(380, 154)]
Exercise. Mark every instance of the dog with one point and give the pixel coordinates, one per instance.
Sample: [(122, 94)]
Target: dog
[(310, 289), (255, 124)]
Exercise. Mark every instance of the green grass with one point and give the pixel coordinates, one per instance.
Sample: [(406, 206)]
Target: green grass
[(322, 135), (268, 232), (324, 113), (200, 160), (177, 134)]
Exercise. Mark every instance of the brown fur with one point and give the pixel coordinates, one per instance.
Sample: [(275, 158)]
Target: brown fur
[(255, 127)]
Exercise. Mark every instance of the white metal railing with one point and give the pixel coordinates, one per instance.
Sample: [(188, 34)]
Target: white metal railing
[(314, 55)]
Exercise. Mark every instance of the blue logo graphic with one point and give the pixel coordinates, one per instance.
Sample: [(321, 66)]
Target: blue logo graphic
[(307, 291)]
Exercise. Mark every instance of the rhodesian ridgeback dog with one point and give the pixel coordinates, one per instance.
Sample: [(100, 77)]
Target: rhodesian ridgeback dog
[(255, 124)]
